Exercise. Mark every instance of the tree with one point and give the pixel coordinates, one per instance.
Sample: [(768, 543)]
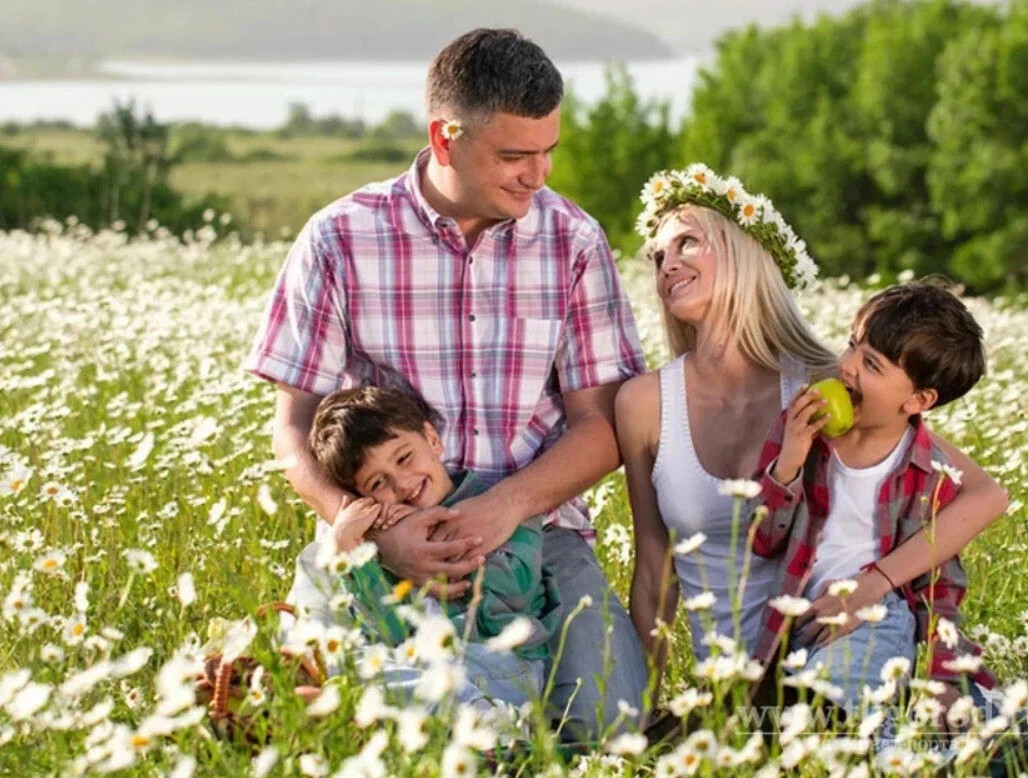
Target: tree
[(608, 151), (977, 176), (137, 148)]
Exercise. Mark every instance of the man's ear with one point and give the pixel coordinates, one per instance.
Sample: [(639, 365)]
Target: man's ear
[(439, 144), (434, 441), (920, 401)]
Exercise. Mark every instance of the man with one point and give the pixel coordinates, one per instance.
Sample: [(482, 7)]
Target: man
[(499, 302)]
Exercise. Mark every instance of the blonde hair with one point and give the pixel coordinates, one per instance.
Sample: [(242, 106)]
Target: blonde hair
[(750, 302)]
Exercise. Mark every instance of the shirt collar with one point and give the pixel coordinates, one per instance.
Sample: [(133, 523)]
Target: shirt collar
[(918, 453), (465, 485), (436, 221)]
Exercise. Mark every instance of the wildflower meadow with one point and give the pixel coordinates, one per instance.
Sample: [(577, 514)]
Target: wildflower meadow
[(143, 521)]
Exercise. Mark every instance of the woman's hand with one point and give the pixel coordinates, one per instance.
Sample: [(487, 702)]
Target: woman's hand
[(800, 430), (817, 626)]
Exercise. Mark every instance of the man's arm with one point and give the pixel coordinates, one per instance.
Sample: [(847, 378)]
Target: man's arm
[(294, 414), (585, 453)]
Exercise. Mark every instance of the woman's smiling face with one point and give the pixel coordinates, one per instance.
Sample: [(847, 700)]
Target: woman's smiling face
[(686, 265)]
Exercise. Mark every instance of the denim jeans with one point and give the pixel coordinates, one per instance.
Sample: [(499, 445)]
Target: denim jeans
[(500, 676), (601, 648), (601, 643), (857, 659)]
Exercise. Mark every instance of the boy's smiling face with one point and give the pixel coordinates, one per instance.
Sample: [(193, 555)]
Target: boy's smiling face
[(406, 469), (882, 393)]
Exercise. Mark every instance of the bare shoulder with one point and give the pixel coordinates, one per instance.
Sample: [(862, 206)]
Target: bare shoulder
[(637, 410)]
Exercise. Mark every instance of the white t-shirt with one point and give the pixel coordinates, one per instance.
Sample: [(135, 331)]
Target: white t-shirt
[(848, 541)]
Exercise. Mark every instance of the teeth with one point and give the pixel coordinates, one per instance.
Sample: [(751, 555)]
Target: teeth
[(679, 285)]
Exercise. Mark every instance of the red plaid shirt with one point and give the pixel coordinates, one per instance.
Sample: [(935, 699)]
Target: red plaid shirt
[(797, 515), (380, 289)]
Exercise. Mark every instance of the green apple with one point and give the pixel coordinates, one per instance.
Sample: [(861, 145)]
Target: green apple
[(839, 408)]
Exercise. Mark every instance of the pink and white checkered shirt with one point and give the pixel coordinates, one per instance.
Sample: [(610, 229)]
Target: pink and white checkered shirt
[(380, 289)]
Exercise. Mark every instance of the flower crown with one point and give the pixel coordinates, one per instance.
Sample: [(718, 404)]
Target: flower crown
[(699, 185)]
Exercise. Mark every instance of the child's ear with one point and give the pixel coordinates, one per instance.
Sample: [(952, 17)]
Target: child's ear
[(920, 401), (434, 441)]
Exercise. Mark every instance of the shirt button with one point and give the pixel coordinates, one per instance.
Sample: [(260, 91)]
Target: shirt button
[(476, 430), (471, 260), (474, 374), (471, 317)]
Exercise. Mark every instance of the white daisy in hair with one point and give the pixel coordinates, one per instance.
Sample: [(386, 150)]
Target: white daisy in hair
[(700, 175)]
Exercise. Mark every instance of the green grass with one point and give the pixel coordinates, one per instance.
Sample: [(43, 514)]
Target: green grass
[(271, 196), (107, 343)]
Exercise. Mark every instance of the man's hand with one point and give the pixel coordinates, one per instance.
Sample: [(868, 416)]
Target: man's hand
[(814, 634), (800, 430), (407, 550), (488, 517)]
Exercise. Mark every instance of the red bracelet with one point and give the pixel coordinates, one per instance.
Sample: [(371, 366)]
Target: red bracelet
[(874, 566)]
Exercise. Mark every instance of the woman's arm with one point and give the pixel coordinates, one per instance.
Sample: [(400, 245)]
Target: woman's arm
[(654, 593), (979, 502)]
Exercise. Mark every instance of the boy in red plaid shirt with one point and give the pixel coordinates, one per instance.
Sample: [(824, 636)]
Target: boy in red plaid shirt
[(834, 508)]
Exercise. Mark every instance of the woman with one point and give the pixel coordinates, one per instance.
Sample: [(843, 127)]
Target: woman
[(724, 263)]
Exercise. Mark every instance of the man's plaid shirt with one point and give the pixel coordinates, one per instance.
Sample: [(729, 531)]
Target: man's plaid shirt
[(912, 493), (381, 289)]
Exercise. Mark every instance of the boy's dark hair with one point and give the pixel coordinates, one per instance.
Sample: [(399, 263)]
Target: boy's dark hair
[(926, 330), (489, 70), (349, 422)]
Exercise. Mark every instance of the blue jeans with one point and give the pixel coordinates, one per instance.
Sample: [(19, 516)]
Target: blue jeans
[(601, 644), (500, 676), (858, 658)]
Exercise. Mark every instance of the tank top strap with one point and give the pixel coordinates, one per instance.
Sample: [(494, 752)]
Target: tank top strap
[(674, 415), (794, 375)]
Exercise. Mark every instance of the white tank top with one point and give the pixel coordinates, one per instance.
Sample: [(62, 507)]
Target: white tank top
[(689, 502)]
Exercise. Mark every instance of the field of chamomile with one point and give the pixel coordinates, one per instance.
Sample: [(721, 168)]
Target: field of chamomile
[(142, 518)]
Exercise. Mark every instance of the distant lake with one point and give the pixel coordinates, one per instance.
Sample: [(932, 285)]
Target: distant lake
[(258, 94)]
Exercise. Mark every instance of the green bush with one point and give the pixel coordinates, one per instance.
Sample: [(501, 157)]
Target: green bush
[(892, 137), (31, 189), (375, 151), (608, 151)]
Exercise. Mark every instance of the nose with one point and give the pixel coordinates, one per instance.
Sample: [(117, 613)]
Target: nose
[(409, 486), (847, 363), (539, 167), (670, 264)]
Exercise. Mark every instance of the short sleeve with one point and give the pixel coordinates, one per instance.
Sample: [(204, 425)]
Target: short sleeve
[(600, 344), (302, 340)]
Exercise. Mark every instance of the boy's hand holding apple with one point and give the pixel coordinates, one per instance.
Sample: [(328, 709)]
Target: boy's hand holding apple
[(824, 408), (802, 425)]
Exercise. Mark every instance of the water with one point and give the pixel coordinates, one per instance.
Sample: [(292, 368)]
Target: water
[(258, 94)]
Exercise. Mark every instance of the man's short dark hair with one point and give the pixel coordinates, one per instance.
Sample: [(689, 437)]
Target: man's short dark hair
[(490, 70), (926, 330), (350, 422)]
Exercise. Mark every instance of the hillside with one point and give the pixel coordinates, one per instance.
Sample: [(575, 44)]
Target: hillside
[(302, 29)]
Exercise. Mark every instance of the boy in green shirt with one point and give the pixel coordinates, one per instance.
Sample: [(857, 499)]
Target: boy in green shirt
[(382, 444)]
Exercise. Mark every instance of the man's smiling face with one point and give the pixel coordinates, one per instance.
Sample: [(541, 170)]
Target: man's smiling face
[(501, 163)]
